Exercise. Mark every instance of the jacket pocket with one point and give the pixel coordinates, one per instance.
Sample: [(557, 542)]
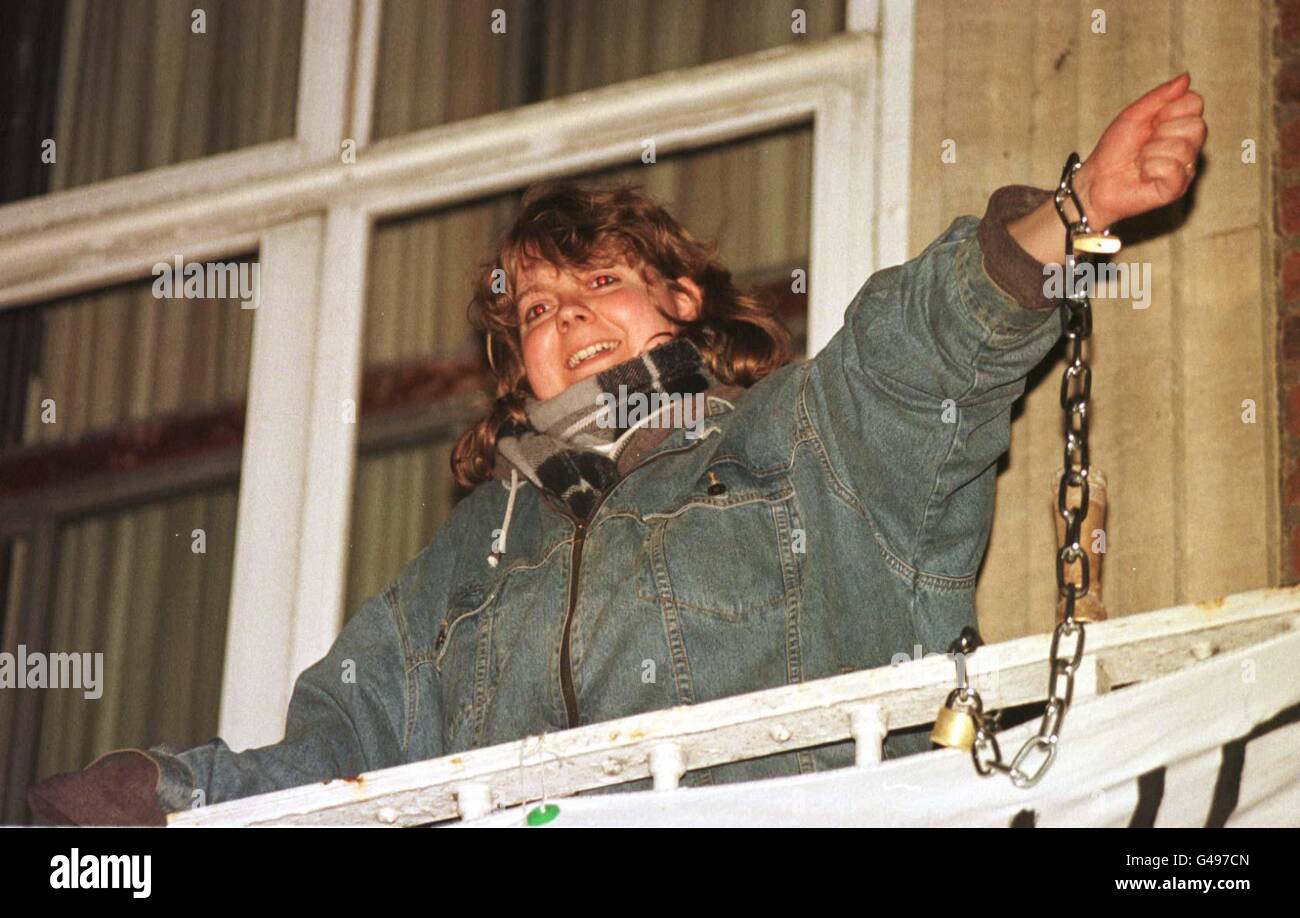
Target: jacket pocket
[(720, 552), (727, 582)]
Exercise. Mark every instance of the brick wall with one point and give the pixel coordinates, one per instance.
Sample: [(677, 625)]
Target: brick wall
[(1286, 166)]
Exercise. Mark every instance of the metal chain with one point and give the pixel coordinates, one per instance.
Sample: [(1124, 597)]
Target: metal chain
[(1076, 387)]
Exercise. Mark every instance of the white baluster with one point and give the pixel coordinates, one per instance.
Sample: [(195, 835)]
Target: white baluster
[(868, 723), (667, 765), (474, 800)]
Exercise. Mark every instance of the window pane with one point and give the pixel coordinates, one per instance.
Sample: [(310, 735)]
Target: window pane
[(401, 498), (133, 586), (123, 354), (442, 61), (13, 569), (29, 72), (15, 562), (752, 196), (123, 423), (135, 86)]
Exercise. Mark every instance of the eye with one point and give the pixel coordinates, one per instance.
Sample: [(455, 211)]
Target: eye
[(603, 280), (534, 311)]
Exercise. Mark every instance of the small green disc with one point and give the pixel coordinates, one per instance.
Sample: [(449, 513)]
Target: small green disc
[(541, 815)]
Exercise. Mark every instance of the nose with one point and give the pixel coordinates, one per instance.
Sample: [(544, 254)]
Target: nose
[(572, 311)]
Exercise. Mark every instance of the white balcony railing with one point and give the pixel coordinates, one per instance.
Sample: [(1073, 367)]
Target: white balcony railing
[(861, 706)]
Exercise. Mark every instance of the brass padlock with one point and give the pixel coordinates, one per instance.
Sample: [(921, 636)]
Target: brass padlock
[(955, 725)]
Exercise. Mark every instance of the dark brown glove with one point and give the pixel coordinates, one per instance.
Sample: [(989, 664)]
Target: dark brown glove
[(117, 789)]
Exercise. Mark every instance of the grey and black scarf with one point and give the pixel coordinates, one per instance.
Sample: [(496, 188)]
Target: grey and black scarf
[(570, 445)]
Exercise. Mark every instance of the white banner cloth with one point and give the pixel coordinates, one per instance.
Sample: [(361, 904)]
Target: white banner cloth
[(1215, 744)]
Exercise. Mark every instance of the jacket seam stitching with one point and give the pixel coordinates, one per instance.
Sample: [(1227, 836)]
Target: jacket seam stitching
[(482, 692), (845, 493), (911, 574), (805, 422), (779, 498), (412, 697), (668, 607), (645, 556), (924, 525), (361, 747), (989, 321), (436, 657)]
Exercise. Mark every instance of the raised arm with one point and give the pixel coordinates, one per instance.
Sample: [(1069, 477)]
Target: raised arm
[(913, 395)]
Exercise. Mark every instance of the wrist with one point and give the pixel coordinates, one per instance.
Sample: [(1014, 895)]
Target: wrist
[(1082, 182)]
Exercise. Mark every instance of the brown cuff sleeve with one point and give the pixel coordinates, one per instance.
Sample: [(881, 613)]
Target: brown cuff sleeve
[(117, 789), (1009, 266)]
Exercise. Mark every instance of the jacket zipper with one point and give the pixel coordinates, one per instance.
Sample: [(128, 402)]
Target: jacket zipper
[(579, 538), (566, 664)]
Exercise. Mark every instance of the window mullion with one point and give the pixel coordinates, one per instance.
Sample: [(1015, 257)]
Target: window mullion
[(258, 673), (331, 452), (366, 76), (324, 77)]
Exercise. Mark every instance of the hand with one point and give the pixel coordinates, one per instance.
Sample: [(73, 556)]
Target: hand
[(117, 789), (1142, 160)]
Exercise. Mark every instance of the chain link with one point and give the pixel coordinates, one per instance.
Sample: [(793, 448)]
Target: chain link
[(1076, 389)]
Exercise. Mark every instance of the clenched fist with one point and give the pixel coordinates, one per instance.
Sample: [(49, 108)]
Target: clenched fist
[(1146, 158)]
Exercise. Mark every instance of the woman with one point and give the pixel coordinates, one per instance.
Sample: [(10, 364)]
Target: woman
[(666, 512)]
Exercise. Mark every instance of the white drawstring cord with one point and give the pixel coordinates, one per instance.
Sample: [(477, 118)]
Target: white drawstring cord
[(495, 557)]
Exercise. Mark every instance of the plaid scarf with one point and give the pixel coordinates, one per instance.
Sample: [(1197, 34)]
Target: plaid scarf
[(570, 445)]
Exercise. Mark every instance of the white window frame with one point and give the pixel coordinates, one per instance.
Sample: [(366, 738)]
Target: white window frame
[(310, 215)]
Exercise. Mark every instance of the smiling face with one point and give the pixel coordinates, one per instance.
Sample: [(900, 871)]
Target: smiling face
[(575, 322)]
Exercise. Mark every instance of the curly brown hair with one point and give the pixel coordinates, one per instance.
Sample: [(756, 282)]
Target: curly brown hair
[(571, 225)]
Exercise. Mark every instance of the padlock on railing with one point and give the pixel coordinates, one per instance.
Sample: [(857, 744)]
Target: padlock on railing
[(955, 726)]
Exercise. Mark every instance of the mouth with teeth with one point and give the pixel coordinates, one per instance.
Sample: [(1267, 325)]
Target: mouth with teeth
[(590, 351)]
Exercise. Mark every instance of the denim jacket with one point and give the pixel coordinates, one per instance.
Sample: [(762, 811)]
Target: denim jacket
[(829, 517)]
